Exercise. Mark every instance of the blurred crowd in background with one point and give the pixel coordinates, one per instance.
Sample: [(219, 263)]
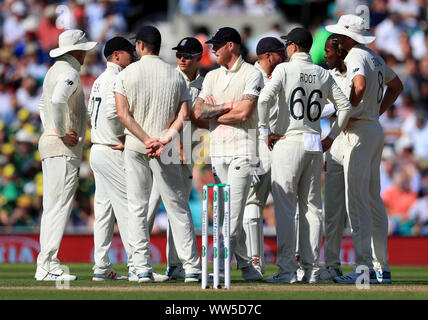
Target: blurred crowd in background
[(29, 29)]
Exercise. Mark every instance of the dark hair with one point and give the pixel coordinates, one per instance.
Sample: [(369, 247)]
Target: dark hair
[(333, 40), (152, 48), (335, 43)]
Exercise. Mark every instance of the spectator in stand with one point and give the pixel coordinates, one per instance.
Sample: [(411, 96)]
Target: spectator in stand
[(28, 95), (391, 125), (419, 137), (410, 80), (378, 12), (189, 7), (423, 80), (221, 7), (48, 31), (409, 10), (388, 33), (7, 111), (387, 167), (419, 211), (259, 7), (13, 27), (398, 199)]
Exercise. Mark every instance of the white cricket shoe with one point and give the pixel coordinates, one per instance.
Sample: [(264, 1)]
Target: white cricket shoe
[(132, 276), (282, 278), (300, 274), (193, 277), (57, 277), (157, 277), (250, 273), (145, 277), (175, 273), (112, 275), (329, 273)]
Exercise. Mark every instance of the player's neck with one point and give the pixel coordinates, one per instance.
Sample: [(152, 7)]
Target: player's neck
[(231, 62), (191, 74), (266, 66), (341, 67)]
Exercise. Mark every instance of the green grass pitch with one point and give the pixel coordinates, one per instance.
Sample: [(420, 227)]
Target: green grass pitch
[(17, 283)]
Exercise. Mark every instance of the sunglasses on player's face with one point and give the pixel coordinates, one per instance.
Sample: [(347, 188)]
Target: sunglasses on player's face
[(186, 56)]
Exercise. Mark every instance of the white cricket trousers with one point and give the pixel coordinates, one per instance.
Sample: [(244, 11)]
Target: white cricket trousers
[(110, 204), (363, 146), (296, 180), (237, 172), (60, 177), (140, 171), (334, 203), (256, 202), (154, 203)]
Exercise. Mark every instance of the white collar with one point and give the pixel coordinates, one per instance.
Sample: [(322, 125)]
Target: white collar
[(114, 66), (301, 56)]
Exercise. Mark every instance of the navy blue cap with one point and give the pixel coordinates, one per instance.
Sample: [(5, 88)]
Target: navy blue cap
[(300, 36), (189, 44), (225, 34), (149, 34), (117, 44), (269, 44)]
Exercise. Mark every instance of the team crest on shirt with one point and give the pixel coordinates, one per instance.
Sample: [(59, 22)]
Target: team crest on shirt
[(69, 82)]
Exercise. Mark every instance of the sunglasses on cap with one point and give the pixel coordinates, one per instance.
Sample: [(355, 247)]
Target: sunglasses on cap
[(287, 43), (186, 56)]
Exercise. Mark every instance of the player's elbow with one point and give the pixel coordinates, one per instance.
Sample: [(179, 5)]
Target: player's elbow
[(398, 85)]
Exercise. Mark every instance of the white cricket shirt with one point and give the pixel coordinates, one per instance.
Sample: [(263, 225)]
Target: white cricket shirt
[(239, 139), (154, 90), (273, 104), (105, 125), (363, 61), (302, 89)]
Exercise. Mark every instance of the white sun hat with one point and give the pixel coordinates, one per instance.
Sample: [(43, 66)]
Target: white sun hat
[(71, 40), (352, 26)]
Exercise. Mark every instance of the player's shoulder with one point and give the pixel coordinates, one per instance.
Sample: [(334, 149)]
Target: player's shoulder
[(198, 82)]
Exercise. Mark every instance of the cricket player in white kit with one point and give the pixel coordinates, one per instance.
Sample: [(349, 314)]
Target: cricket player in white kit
[(229, 100), (334, 190), (63, 114), (106, 159), (189, 53), (152, 102), (270, 52), (367, 73), (302, 89)]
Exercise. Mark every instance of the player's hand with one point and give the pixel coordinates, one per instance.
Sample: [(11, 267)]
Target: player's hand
[(210, 100), (272, 139), (70, 138), (326, 143), (351, 121), (152, 147), (120, 147)]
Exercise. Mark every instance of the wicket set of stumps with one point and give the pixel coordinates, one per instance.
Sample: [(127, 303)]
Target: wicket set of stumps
[(216, 235)]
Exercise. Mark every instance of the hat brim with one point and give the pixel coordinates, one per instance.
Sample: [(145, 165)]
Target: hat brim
[(365, 38), (54, 53)]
